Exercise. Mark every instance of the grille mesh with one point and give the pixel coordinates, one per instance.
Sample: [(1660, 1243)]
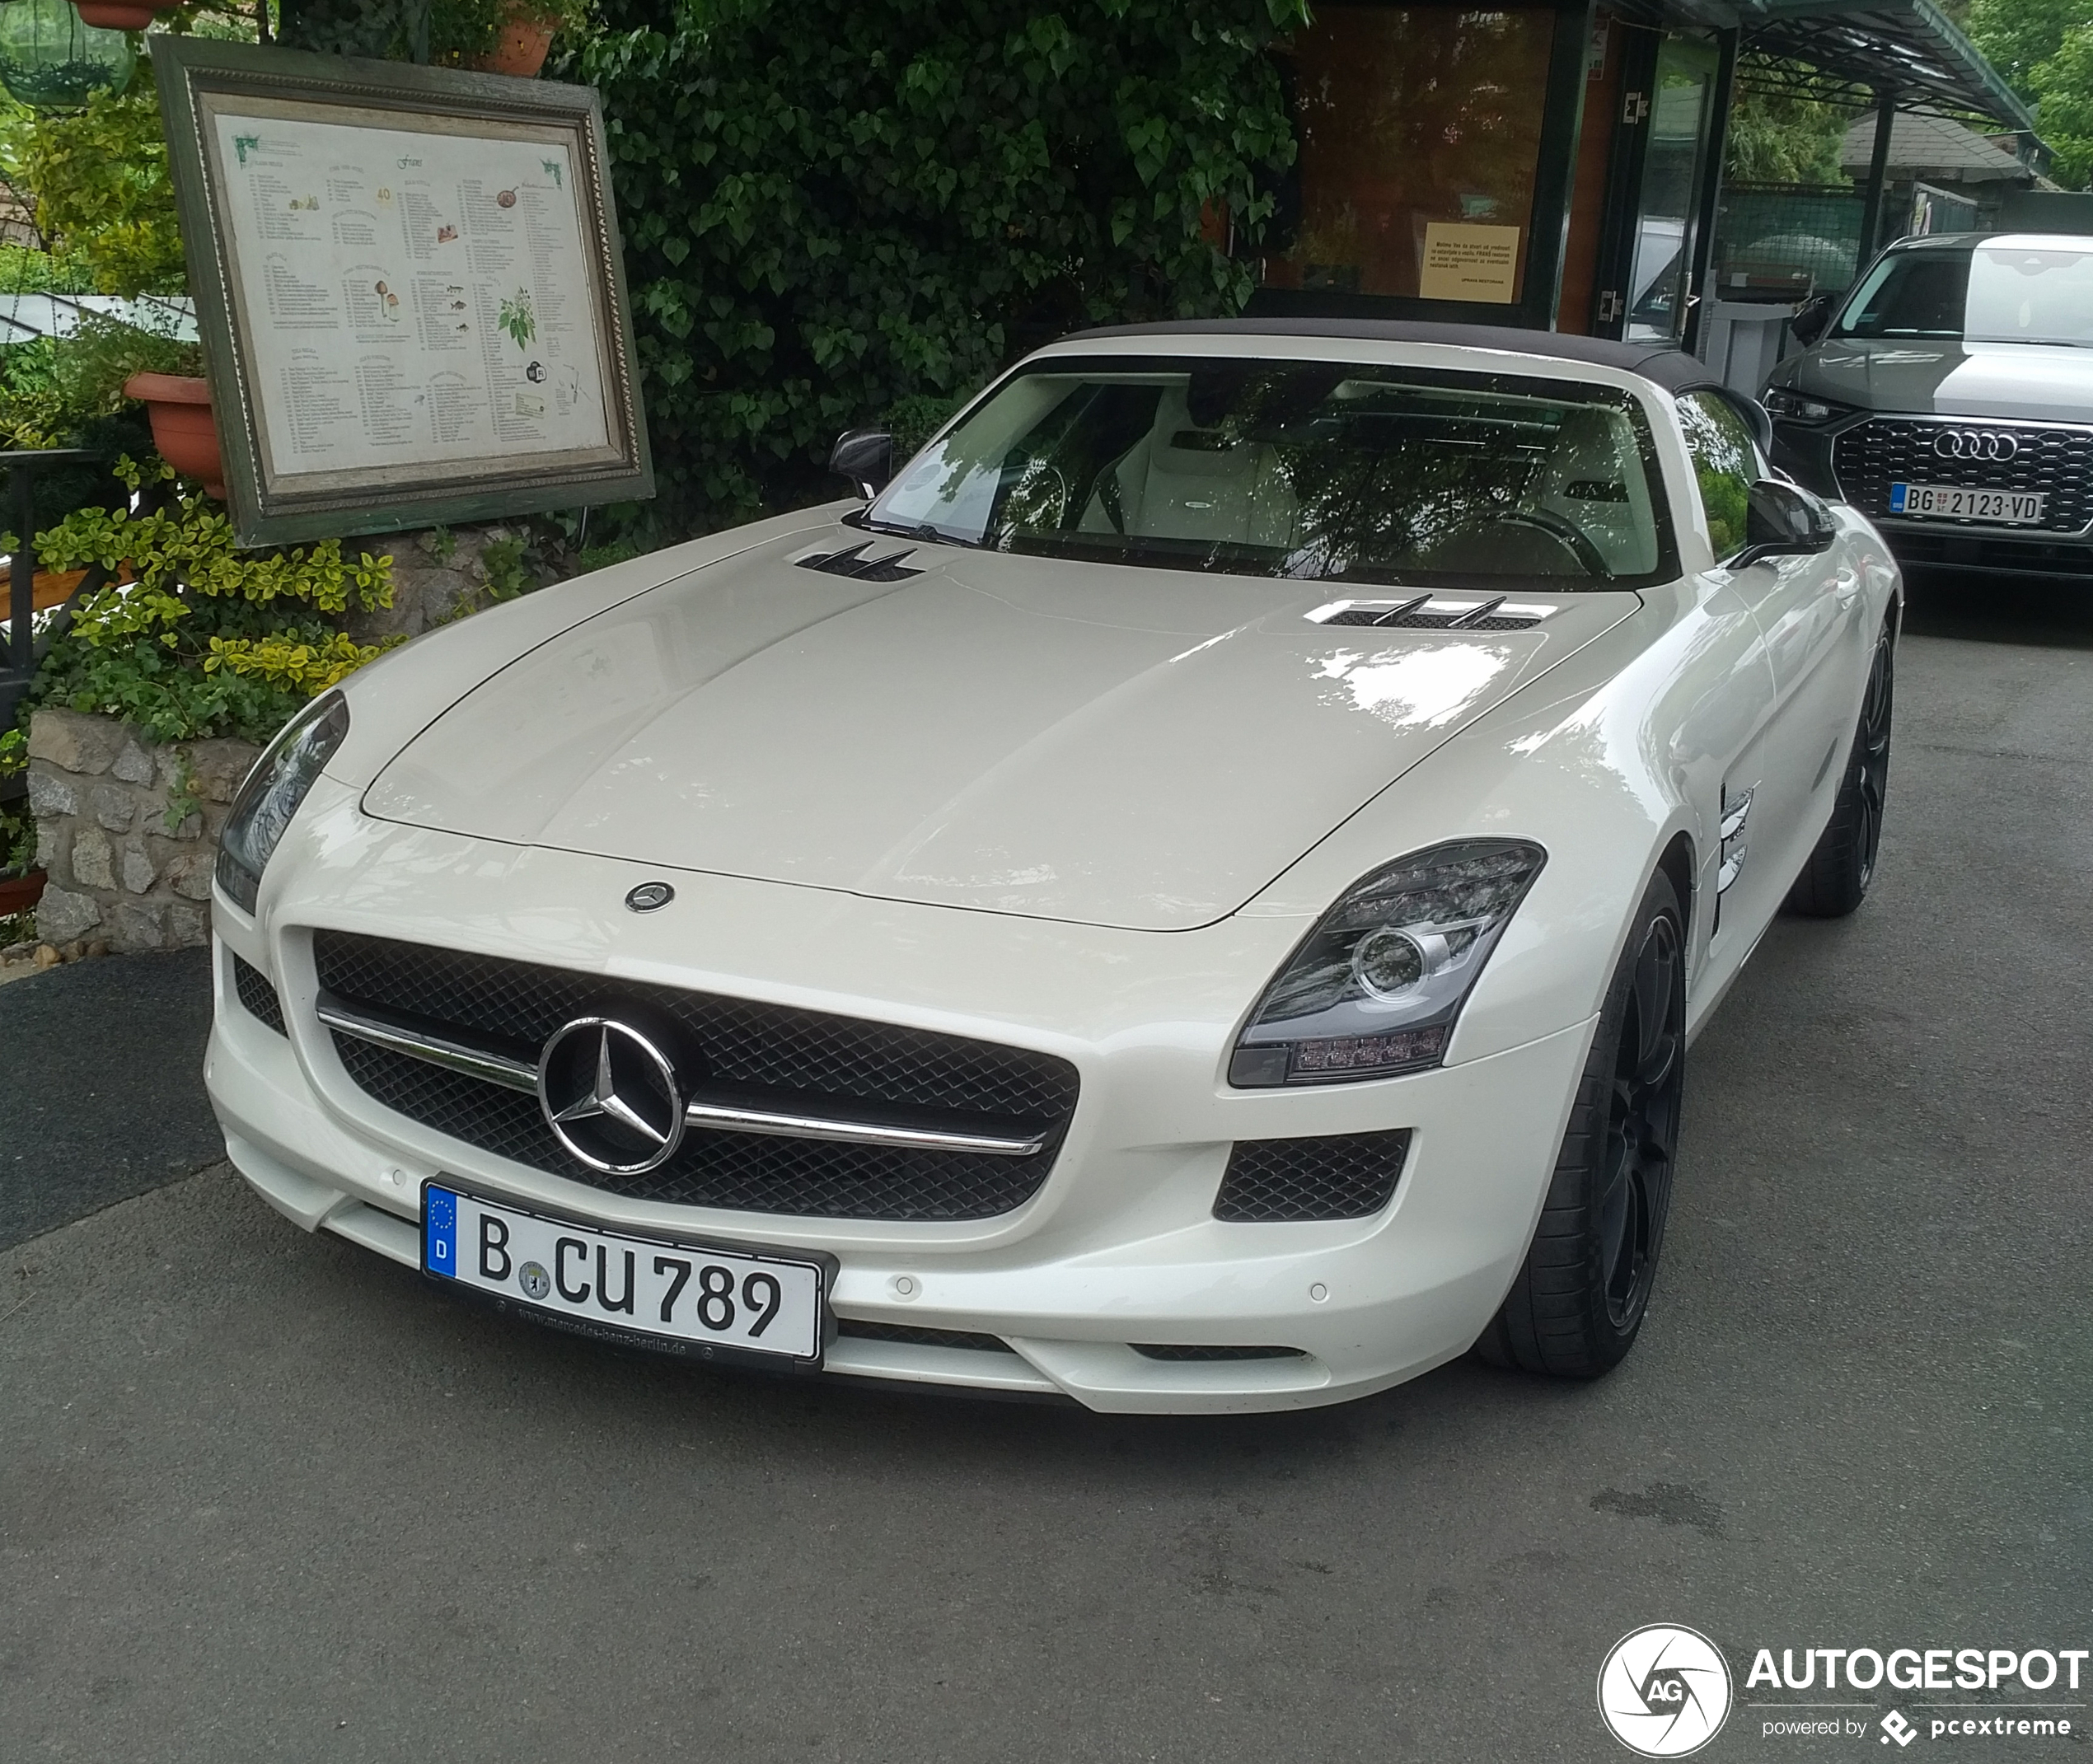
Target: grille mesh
[(793, 1054), (257, 995), (1868, 458), (1346, 1175), (959, 1338)]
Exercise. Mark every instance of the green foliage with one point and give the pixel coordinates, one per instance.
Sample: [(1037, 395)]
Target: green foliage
[(2044, 47), (182, 798), (913, 420), (2065, 83), (458, 29), (501, 563), (25, 270), (100, 174), (206, 640), (2017, 36), (830, 205), (53, 390), (1777, 139)]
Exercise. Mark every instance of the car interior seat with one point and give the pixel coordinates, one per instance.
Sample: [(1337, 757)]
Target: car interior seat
[(1180, 481), (1593, 478)]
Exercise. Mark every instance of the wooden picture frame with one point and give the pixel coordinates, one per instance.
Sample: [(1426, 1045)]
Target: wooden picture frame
[(409, 286)]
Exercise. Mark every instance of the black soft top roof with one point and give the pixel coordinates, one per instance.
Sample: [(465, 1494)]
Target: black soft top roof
[(1672, 368)]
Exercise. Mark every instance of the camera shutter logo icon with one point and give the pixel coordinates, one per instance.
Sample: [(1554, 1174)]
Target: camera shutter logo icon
[(1664, 1691)]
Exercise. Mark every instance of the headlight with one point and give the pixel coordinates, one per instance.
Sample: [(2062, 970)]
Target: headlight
[(273, 790), (1801, 407), (1376, 986)]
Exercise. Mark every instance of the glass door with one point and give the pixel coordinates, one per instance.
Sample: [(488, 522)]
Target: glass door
[(1667, 160)]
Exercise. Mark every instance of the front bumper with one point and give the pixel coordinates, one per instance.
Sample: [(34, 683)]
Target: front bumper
[(1807, 454), (1119, 1246)]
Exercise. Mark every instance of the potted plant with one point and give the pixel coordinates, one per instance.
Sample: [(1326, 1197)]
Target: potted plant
[(184, 431), (19, 894), (518, 35)]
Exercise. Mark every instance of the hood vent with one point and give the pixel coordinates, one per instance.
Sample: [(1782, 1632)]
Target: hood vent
[(1427, 612), (852, 561)]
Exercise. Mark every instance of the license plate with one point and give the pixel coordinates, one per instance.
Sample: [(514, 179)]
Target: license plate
[(704, 1299), (1944, 501)]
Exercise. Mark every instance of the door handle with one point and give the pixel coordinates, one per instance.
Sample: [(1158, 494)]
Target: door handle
[(1845, 589)]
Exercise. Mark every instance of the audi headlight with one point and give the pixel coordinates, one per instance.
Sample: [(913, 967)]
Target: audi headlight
[(1375, 988), (272, 792), (1801, 407)]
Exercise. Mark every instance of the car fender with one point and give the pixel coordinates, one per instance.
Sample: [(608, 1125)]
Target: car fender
[(1604, 762)]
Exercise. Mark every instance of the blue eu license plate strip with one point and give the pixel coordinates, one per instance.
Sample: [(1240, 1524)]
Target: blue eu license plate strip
[(1899, 495), (440, 1230)]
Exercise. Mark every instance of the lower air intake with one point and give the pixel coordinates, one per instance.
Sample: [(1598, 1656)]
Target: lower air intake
[(1346, 1175)]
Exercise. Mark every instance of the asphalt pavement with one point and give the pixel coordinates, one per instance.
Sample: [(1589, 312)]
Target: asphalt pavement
[(265, 1496)]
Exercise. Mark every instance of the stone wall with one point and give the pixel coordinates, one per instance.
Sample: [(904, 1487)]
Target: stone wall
[(120, 873)]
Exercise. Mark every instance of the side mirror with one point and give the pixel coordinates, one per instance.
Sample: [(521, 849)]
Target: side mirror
[(1813, 319), (866, 457), (1782, 521)]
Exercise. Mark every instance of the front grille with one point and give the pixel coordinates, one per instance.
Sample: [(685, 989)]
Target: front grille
[(793, 1057), (1346, 1175), (959, 1338), (257, 995), (1882, 451)]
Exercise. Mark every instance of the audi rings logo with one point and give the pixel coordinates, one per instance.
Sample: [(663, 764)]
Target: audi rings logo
[(1664, 1692), (1976, 444), (611, 1096)]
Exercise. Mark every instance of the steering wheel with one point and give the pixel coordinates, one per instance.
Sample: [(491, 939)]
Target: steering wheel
[(1588, 555)]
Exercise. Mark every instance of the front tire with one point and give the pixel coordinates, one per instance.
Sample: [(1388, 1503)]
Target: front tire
[(1579, 1301), (1836, 879)]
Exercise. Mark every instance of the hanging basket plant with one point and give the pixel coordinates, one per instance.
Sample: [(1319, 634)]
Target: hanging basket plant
[(53, 58)]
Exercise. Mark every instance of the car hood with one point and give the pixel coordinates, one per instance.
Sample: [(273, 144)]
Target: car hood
[(2032, 381), (1140, 748)]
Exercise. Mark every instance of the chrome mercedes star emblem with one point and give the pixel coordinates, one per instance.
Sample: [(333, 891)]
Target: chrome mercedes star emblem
[(611, 1096)]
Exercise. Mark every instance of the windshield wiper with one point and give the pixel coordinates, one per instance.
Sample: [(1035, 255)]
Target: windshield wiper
[(925, 530)]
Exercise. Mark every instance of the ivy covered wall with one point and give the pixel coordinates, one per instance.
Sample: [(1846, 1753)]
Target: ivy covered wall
[(833, 205)]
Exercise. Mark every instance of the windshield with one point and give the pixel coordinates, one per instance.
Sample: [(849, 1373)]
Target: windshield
[(2001, 293), (1298, 469)]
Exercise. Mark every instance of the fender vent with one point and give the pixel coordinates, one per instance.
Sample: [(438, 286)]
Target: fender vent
[(852, 561)]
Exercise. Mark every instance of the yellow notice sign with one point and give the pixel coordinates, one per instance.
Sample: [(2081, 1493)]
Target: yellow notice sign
[(1467, 262)]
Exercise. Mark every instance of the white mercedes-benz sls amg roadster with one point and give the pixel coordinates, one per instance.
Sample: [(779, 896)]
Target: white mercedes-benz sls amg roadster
[(1193, 894)]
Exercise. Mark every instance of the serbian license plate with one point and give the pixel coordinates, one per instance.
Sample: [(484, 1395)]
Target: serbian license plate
[(1943, 502), (696, 1298)]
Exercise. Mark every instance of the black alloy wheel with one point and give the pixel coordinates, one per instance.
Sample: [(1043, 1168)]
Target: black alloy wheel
[(1577, 1303), (1841, 868)]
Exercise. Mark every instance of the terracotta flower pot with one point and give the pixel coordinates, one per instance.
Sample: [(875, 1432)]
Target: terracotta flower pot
[(18, 894), (119, 15), (180, 407), (521, 48)]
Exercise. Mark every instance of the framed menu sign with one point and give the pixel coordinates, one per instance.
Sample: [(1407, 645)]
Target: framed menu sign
[(410, 287)]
